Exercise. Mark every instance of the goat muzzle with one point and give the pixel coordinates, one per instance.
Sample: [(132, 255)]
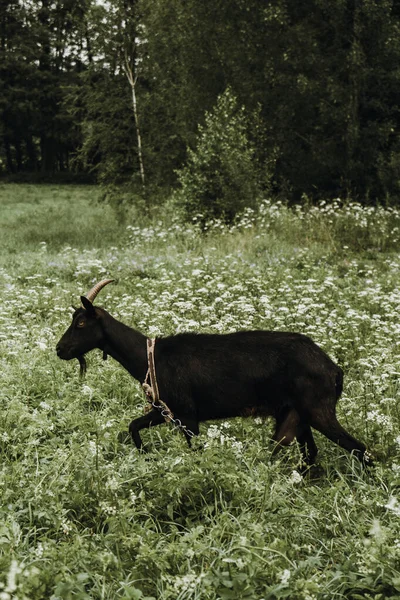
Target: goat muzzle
[(62, 352)]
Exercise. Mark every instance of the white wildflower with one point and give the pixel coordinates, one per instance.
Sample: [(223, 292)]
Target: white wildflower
[(377, 531), (112, 484), (213, 431), (295, 477), (188, 583), (393, 505), (66, 527), (108, 509), (12, 576), (284, 576), (92, 447), (87, 391)]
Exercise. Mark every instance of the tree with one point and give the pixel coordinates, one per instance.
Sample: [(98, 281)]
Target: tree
[(17, 55), (221, 176), (112, 137), (324, 74), (42, 51)]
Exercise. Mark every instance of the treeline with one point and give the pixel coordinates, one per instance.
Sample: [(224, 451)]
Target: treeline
[(118, 90)]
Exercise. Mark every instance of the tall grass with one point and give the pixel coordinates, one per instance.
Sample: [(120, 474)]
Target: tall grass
[(83, 515)]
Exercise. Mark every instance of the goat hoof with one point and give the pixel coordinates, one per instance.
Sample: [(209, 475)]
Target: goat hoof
[(124, 438), (199, 448), (367, 460), (311, 472)]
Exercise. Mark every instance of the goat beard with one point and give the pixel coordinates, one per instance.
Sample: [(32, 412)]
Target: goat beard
[(82, 364)]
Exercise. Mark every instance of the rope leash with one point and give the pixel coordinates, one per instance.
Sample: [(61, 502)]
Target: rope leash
[(150, 385), (150, 388)]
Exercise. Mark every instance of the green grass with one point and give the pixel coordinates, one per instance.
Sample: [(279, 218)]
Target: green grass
[(56, 215), (84, 515)]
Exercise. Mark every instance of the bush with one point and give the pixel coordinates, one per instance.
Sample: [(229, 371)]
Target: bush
[(221, 176)]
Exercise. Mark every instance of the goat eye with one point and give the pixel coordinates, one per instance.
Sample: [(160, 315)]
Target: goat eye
[(81, 323)]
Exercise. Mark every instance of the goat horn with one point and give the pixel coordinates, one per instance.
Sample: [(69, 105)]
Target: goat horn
[(91, 295)]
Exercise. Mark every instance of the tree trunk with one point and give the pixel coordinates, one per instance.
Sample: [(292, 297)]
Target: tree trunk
[(9, 159), (353, 122), (138, 136), (18, 155), (132, 82), (31, 152), (47, 151)]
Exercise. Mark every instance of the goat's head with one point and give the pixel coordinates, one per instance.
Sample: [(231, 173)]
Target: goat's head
[(85, 332)]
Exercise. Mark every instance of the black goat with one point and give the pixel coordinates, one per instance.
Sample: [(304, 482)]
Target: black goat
[(209, 376)]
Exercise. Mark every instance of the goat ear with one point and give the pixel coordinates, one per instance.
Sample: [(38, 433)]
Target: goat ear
[(88, 305)]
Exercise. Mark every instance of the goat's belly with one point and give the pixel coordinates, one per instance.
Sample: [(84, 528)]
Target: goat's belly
[(229, 409), (255, 411)]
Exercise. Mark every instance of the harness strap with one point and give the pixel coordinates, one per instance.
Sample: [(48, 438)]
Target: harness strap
[(150, 385)]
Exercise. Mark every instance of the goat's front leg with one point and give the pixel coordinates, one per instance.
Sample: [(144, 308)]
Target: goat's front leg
[(150, 419), (189, 425), (285, 430)]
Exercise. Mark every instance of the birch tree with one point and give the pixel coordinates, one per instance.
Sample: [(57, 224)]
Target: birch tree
[(128, 38)]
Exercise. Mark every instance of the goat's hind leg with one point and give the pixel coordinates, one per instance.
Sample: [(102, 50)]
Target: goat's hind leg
[(307, 444), (326, 422), (150, 419)]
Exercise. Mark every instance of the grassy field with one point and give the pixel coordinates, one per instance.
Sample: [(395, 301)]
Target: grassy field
[(84, 515)]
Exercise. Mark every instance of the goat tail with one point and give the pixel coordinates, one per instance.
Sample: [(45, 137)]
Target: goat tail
[(339, 383)]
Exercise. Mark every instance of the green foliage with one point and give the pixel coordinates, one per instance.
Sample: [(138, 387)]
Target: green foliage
[(322, 77), (109, 151), (84, 515), (220, 178), (40, 57), (103, 97)]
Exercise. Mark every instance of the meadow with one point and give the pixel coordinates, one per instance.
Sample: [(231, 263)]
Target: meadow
[(83, 515)]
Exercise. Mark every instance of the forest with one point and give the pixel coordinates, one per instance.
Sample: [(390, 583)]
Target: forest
[(226, 100)]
